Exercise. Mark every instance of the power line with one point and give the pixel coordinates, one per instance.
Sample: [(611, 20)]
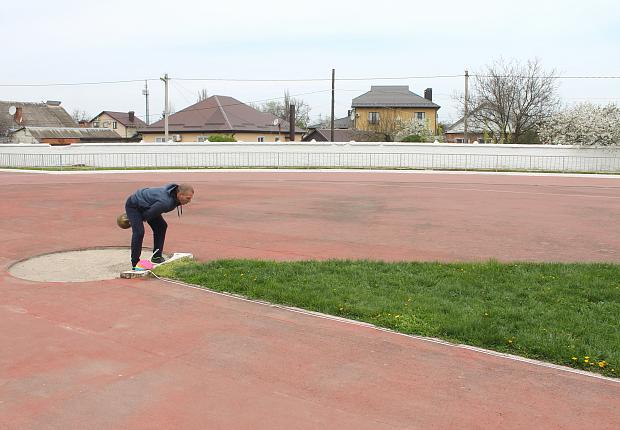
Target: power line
[(253, 101), (178, 88), (56, 84), (65, 84), (372, 78), (376, 78), (250, 102), (591, 98), (227, 80), (545, 77)]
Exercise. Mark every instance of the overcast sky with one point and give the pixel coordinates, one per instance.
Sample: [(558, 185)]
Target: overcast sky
[(66, 41)]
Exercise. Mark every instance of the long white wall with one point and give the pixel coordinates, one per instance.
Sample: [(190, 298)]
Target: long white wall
[(362, 155)]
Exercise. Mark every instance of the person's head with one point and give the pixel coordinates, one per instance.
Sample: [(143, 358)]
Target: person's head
[(185, 193)]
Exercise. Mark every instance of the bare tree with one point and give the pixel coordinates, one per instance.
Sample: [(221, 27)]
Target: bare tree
[(202, 95), (282, 109), (393, 128), (512, 99), (79, 115), (322, 121), (389, 124)]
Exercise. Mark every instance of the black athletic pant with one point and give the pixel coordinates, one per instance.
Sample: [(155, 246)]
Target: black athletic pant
[(158, 225)]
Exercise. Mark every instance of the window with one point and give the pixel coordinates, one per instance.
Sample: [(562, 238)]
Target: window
[(106, 124), (460, 140), (96, 124), (373, 117), (202, 139), (160, 139), (420, 116), (260, 139), (114, 124)]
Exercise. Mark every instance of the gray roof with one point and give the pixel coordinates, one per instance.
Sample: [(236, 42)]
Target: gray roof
[(341, 123), (220, 114), (35, 115), (474, 125), (72, 133), (392, 96), (343, 135), (458, 127)]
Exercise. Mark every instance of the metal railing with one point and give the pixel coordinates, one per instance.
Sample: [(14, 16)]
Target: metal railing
[(368, 160)]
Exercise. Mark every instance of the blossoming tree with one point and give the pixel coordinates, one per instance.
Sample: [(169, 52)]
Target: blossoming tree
[(583, 124)]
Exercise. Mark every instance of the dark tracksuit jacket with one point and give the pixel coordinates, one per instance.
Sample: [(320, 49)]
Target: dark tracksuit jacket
[(148, 204)]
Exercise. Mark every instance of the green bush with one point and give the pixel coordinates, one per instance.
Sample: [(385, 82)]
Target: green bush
[(413, 138), (222, 138)]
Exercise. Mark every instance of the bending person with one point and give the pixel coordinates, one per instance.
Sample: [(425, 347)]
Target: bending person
[(148, 204)]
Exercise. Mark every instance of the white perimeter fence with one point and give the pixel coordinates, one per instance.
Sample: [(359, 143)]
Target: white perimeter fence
[(313, 155)]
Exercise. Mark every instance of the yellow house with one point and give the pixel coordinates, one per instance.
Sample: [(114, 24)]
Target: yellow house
[(125, 124), (221, 115), (385, 107)]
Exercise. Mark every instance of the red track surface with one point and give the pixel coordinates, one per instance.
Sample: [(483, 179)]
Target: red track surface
[(144, 354)]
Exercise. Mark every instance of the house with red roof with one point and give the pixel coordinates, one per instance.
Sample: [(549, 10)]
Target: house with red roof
[(219, 115)]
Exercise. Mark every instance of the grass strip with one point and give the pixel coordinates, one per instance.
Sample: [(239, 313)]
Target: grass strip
[(568, 314)]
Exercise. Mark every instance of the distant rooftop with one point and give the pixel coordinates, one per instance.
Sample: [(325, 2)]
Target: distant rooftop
[(474, 125), (392, 96), (72, 133), (341, 123), (123, 118), (221, 114), (342, 135), (34, 115)]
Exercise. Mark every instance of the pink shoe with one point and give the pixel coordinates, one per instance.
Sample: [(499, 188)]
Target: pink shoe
[(144, 265)]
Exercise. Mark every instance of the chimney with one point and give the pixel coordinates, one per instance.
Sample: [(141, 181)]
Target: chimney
[(18, 117), (132, 115), (428, 94)]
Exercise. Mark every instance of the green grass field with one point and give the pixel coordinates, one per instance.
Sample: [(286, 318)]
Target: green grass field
[(567, 314)]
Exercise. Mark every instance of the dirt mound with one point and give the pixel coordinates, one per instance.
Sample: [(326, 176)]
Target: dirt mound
[(76, 266)]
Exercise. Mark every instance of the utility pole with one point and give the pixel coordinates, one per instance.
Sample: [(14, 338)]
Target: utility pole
[(166, 79), (333, 86), (145, 92), (465, 134), (291, 129)]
